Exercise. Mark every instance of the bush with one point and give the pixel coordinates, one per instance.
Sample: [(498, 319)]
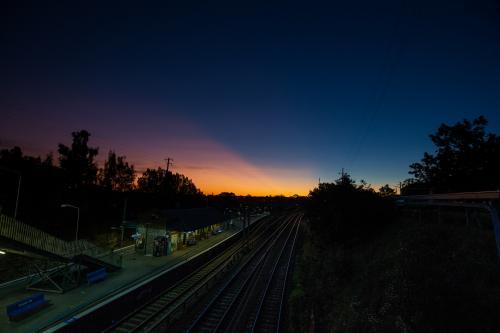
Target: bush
[(346, 212)]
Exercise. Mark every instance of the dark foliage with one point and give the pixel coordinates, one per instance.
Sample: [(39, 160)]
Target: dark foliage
[(386, 191), (78, 160), (410, 277), (42, 184), (357, 272), (169, 187), (467, 158), (346, 211), (100, 194), (117, 174)]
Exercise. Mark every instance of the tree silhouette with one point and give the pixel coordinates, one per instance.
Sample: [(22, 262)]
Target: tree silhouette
[(345, 210), (78, 160), (150, 181), (45, 186), (184, 185), (117, 174), (345, 180), (466, 159), (386, 191), (41, 184), (165, 182)]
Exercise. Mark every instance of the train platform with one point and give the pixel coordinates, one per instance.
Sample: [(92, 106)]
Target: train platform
[(136, 267)]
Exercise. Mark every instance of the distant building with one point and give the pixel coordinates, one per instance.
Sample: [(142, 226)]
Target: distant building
[(180, 226)]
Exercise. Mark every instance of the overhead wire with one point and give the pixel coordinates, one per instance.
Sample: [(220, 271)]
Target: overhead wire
[(391, 60)]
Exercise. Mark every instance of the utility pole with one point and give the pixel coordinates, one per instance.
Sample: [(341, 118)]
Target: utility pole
[(169, 160)]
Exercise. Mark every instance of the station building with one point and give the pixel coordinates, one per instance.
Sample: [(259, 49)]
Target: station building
[(178, 228)]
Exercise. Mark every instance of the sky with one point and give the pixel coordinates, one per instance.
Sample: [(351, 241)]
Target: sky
[(249, 97)]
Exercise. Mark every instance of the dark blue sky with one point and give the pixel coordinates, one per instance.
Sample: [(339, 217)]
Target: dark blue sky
[(288, 89)]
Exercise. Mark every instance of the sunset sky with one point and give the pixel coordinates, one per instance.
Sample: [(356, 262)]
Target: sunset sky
[(255, 98)]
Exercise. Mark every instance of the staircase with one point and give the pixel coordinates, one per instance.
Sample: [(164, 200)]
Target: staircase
[(36, 241)]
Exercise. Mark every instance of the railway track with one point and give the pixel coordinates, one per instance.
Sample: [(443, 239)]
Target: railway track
[(168, 305), (248, 299), (269, 312)]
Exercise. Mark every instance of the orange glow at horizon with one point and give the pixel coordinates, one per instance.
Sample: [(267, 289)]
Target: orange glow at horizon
[(215, 169)]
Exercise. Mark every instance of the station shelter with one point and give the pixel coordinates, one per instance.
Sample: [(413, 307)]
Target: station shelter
[(161, 232)]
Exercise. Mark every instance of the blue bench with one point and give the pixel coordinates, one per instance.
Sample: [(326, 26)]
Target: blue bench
[(97, 276), (26, 306)]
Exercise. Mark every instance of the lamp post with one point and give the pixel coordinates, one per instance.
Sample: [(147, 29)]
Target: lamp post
[(17, 197), (18, 188), (77, 216), (123, 220)]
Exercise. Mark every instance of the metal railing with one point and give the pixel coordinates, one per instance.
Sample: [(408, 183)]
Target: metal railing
[(488, 201), (13, 229)]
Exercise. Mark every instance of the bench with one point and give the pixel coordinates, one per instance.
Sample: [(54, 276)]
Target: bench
[(96, 276), (27, 306)]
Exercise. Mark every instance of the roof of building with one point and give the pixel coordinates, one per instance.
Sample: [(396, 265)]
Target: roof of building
[(185, 219)]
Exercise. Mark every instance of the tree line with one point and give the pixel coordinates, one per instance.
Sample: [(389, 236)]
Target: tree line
[(101, 192)]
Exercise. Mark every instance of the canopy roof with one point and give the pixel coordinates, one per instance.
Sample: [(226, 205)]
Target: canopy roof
[(185, 219)]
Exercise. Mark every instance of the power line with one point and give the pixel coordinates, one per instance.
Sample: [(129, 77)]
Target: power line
[(392, 58)]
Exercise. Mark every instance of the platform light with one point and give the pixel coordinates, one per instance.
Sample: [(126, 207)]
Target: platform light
[(2, 252)]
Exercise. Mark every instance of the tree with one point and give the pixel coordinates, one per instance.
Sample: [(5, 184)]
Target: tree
[(151, 180), (184, 185), (117, 174), (40, 183), (165, 182), (345, 180), (11, 156), (168, 189), (345, 210), (78, 160), (386, 191), (466, 159)]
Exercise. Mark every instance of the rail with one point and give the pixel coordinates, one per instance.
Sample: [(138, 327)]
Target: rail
[(104, 311), (282, 294), (216, 311), (249, 306), (163, 307)]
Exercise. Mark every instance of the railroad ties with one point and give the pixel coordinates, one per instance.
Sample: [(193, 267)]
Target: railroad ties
[(252, 297), (164, 311)]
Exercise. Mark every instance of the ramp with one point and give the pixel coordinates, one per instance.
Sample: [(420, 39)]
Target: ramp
[(21, 238)]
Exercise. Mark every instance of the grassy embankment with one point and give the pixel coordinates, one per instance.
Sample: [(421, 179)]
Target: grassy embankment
[(410, 277)]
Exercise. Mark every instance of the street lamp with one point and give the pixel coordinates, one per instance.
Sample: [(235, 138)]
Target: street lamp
[(77, 216), (18, 188), (17, 197)]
